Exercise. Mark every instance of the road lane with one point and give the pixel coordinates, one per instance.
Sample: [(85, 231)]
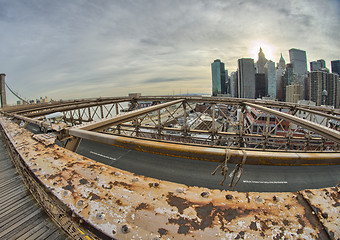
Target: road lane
[(198, 173)]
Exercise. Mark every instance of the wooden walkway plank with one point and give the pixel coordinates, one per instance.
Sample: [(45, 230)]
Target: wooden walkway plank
[(20, 215)]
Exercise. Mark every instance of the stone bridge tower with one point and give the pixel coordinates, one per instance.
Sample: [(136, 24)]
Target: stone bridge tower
[(3, 90)]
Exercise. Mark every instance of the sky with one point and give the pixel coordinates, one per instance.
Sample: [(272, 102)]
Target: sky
[(100, 48)]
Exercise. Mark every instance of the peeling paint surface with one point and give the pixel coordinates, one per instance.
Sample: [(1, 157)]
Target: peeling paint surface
[(124, 205)]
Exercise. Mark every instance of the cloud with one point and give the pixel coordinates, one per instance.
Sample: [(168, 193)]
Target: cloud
[(160, 80), (80, 48)]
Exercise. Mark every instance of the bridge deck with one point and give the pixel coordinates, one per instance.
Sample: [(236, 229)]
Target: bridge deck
[(20, 215)]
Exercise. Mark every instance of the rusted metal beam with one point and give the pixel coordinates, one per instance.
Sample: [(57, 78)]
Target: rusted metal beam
[(73, 143), (38, 113), (317, 128), (113, 203), (320, 113), (100, 125), (210, 153)]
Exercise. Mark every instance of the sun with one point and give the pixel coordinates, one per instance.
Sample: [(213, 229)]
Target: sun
[(267, 48)]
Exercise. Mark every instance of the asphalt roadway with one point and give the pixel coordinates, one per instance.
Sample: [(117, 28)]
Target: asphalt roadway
[(255, 178)]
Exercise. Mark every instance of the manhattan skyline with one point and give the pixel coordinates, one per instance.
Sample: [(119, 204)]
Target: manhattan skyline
[(77, 49)]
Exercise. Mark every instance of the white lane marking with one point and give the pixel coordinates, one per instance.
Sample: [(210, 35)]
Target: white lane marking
[(266, 182), (101, 155)]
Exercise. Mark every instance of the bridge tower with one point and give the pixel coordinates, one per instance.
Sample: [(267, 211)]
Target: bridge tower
[(3, 90)]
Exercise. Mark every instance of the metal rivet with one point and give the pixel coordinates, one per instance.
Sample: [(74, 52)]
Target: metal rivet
[(179, 190), (228, 196), (205, 194), (134, 179), (80, 203), (125, 229), (100, 215)]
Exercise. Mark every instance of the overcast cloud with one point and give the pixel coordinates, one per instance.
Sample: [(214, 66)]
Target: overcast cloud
[(73, 49)]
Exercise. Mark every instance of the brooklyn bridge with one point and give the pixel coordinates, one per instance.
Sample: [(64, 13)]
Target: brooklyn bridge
[(174, 167)]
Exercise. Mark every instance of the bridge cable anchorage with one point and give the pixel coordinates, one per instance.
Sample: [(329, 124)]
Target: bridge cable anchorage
[(239, 170), (15, 94), (223, 166)]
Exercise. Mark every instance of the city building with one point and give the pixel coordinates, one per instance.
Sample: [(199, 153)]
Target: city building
[(335, 66), (294, 93), (261, 62), (270, 76), (299, 60), (246, 78), (281, 66), (260, 85), (287, 78), (317, 65), (218, 77), (317, 85), (332, 88), (233, 84), (282, 62)]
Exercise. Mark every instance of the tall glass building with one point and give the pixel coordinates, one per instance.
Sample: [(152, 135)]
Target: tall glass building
[(336, 66), (246, 78), (270, 72), (299, 60), (218, 77)]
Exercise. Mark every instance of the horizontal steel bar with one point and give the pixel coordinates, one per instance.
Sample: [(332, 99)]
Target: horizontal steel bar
[(210, 153), (317, 128), (99, 125)]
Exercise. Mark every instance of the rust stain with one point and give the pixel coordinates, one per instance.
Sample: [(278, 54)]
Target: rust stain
[(123, 206)]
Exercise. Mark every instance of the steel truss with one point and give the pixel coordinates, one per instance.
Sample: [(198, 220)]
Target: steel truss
[(236, 124)]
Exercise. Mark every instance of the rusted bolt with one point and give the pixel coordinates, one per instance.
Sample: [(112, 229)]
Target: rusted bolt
[(324, 215), (259, 199), (205, 194), (134, 179), (114, 232), (125, 229), (153, 184), (100, 215), (80, 203), (228, 196), (275, 198)]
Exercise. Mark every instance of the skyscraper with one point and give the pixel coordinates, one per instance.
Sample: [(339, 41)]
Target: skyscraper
[(246, 78), (218, 77), (287, 79), (282, 62), (336, 66), (317, 65), (233, 84), (270, 72), (299, 60), (261, 62), (260, 85), (317, 83)]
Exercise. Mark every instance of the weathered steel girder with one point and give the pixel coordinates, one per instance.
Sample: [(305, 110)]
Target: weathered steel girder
[(111, 203), (225, 124)]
